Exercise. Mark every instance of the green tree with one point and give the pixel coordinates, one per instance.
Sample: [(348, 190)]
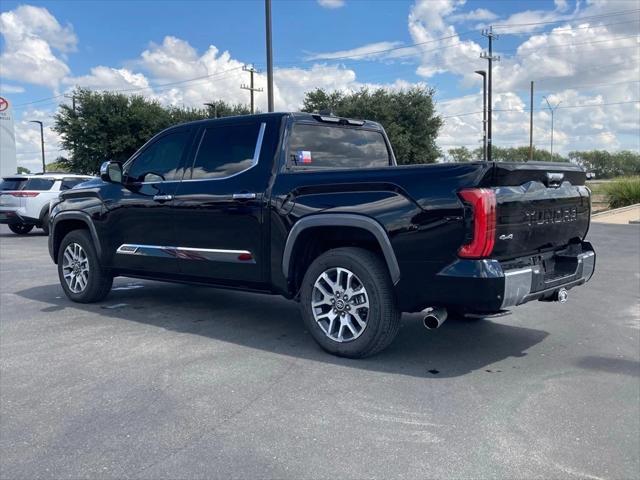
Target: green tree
[(23, 171), (608, 164), (58, 165), (112, 126), (408, 117), (461, 154)]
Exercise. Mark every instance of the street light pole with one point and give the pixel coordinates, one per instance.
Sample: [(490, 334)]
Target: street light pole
[(267, 12), (483, 74), (44, 168), (552, 109)]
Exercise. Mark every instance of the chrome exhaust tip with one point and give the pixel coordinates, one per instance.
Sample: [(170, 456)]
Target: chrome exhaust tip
[(434, 317), (563, 295)]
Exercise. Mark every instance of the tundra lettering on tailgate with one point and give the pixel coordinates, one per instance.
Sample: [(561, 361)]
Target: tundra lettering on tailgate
[(544, 216)]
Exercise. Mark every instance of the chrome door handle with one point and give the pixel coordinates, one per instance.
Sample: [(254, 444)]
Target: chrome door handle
[(244, 196), (162, 198)]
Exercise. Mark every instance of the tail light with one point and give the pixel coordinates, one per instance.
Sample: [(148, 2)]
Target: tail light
[(25, 194), (483, 204)]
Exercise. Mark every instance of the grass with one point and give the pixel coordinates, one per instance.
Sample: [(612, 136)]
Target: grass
[(622, 191)]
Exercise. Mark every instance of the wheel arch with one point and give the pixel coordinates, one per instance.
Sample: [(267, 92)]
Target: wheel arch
[(351, 221), (65, 222)]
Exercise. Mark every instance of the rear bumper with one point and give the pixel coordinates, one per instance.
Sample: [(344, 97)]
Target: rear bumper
[(15, 216), (489, 285), (525, 284)]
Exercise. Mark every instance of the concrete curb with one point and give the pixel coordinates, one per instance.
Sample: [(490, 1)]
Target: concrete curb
[(616, 210)]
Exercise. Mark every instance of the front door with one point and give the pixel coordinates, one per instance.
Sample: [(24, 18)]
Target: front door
[(140, 220), (220, 203)]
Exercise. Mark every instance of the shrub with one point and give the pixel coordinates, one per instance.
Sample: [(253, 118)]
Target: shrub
[(623, 192)]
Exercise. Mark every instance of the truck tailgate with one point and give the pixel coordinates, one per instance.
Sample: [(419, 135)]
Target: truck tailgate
[(545, 208)]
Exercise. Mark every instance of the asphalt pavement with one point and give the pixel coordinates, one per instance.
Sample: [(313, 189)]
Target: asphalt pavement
[(180, 382)]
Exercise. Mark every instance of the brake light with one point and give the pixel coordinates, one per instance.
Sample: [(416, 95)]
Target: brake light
[(483, 204), (25, 194)]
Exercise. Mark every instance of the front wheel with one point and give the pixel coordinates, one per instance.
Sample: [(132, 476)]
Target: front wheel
[(82, 277), (348, 303), (20, 228)]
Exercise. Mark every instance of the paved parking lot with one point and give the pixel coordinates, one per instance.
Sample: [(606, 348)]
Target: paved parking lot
[(170, 381)]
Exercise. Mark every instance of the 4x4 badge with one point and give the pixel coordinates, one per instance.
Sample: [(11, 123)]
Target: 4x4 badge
[(506, 237)]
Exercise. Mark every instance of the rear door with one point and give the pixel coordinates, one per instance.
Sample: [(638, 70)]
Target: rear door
[(220, 226), (139, 225)]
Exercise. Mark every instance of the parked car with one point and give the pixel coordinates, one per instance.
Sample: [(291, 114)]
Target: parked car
[(24, 199), (314, 207)]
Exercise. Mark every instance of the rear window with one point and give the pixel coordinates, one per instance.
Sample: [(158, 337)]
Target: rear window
[(321, 146), (12, 184), (68, 183), (38, 184)]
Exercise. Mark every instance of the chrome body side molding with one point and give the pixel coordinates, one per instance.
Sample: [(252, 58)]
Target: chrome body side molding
[(187, 253)]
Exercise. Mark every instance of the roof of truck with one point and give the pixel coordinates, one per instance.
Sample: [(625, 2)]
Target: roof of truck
[(298, 116)]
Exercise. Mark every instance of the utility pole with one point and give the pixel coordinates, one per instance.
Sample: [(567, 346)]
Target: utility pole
[(483, 74), (552, 109), (44, 167), (73, 101), (490, 58), (531, 124), (267, 12), (251, 88), (214, 107)]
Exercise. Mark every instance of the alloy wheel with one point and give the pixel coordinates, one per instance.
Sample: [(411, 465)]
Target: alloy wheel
[(340, 304), (75, 267)]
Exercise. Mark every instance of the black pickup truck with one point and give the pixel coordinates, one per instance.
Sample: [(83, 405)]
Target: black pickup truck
[(315, 208)]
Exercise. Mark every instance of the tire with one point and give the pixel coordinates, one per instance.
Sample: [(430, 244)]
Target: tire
[(20, 228), (379, 323), (92, 282)]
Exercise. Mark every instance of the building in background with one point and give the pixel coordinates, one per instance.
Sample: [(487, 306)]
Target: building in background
[(8, 162)]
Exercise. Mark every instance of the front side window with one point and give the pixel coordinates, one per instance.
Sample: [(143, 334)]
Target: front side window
[(40, 184), (321, 146), (226, 150), (161, 160)]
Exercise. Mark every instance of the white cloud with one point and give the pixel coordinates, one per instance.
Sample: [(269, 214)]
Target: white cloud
[(371, 50), (31, 35), (331, 3), (477, 15), (106, 78), (4, 88)]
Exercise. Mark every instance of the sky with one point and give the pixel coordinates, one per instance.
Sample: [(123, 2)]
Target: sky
[(581, 54)]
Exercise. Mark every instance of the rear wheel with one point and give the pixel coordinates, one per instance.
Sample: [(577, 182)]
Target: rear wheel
[(20, 228), (348, 303), (82, 277)]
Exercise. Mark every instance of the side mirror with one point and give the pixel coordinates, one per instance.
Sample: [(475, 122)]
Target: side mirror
[(111, 172)]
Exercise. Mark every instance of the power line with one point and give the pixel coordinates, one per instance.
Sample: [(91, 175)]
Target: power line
[(612, 14), (561, 107)]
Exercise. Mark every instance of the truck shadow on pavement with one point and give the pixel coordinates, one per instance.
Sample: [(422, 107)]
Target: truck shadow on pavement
[(273, 324)]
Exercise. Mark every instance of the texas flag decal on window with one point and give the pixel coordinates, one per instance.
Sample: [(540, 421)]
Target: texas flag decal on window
[(304, 156)]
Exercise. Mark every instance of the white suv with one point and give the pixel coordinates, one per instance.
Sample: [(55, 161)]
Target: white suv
[(24, 199)]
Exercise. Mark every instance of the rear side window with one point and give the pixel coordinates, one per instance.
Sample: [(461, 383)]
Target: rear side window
[(12, 184), (226, 150), (321, 146), (41, 184)]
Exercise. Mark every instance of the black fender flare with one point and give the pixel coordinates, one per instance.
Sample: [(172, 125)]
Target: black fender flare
[(43, 213), (83, 217), (343, 220)]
